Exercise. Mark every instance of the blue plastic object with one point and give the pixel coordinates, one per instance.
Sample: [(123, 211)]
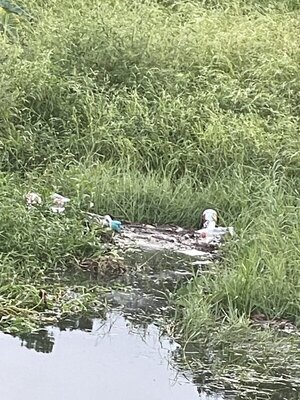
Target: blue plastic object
[(116, 225)]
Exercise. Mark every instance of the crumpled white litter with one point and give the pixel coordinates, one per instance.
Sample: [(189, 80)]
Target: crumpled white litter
[(33, 199), (59, 203), (208, 231)]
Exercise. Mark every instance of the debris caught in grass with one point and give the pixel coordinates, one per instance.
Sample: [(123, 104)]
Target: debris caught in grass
[(33, 199), (209, 219), (105, 221), (59, 203), (209, 231)]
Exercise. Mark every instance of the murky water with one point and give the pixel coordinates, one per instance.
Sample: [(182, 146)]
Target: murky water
[(92, 359), (123, 354)]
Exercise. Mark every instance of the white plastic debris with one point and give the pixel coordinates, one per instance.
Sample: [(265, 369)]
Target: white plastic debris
[(100, 220), (208, 231), (209, 219), (33, 199), (108, 220), (59, 203)]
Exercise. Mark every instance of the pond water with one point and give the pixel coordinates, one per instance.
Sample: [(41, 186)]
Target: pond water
[(124, 354), (92, 359), (121, 355)]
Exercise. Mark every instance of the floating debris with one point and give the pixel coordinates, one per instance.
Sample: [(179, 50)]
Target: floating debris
[(214, 235), (261, 320), (140, 236)]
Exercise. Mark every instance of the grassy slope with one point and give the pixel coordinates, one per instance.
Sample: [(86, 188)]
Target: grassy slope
[(159, 110)]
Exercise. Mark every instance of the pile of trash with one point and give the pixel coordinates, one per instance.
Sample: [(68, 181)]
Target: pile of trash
[(194, 243), (135, 237)]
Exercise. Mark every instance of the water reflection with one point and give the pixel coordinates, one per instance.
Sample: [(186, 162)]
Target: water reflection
[(43, 339), (142, 298), (40, 341), (82, 323), (120, 355), (123, 354), (107, 359)]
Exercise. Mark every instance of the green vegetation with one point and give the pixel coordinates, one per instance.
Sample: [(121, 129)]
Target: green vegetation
[(157, 110), (243, 363), (37, 246)]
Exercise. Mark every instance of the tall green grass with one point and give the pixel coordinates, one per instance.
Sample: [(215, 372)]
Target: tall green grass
[(195, 90), (36, 249), (158, 110)]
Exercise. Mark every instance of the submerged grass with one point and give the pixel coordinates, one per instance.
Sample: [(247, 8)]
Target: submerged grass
[(156, 110), (238, 362)]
